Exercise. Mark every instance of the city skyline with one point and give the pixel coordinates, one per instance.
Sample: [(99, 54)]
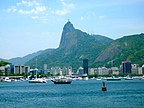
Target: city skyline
[(30, 26)]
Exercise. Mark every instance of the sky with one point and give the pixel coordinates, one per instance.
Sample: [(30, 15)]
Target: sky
[(28, 26)]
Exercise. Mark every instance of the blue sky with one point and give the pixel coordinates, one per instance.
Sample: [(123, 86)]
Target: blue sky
[(27, 26)]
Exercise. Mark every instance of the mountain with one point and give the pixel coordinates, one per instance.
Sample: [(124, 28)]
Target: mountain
[(75, 46), (129, 48), (23, 60)]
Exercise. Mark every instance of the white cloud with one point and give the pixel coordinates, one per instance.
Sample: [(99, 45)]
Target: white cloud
[(37, 10), (33, 8), (12, 9), (66, 8), (27, 7), (28, 3), (40, 8)]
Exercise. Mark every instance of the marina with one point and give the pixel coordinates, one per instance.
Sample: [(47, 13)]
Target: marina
[(82, 93)]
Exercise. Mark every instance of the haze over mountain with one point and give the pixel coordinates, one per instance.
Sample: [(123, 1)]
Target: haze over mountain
[(76, 45), (23, 60)]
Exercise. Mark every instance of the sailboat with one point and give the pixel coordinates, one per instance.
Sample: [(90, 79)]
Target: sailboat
[(37, 80)]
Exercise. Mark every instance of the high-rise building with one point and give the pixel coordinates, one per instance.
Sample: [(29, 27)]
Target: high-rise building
[(85, 66), (19, 69), (45, 67), (126, 67)]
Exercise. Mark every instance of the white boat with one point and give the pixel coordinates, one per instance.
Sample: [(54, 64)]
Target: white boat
[(6, 79), (62, 80), (129, 78), (113, 79), (142, 78), (98, 79), (38, 80), (85, 77)]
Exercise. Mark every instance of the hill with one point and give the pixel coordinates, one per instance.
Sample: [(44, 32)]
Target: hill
[(23, 60), (129, 48), (75, 46)]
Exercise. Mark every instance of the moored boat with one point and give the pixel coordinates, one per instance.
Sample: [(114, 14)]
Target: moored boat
[(85, 77), (38, 80), (142, 78), (62, 80), (113, 79), (129, 78), (98, 79), (6, 79)]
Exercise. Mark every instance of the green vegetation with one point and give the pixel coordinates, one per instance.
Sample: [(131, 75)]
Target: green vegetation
[(3, 63), (76, 45), (129, 48)]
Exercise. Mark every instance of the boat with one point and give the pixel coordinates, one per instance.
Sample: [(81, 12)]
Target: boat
[(85, 77), (113, 79), (62, 80), (98, 79), (6, 79), (142, 78), (38, 80), (128, 78)]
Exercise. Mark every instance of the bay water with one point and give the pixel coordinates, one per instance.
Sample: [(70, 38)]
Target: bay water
[(78, 94)]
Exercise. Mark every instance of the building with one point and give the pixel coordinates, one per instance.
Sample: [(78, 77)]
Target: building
[(19, 69), (61, 71), (45, 68), (134, 69), (114, 71), (93, 71), (55, 70), (126, 67), (80, 71), (85, 66), (103, 71), (69, 70), (142, 69), (139, 70), (2, 70)]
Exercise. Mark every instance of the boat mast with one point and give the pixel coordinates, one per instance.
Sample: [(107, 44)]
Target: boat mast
[(36, 68)]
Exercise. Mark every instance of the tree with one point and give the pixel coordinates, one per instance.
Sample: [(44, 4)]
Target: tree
[(3, 63)]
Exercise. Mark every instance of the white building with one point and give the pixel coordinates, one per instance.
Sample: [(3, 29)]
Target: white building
[(103, 71), (140, 70), (115, 70)]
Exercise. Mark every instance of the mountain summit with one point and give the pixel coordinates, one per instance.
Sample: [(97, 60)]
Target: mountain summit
[(68, 27), (66, 36)]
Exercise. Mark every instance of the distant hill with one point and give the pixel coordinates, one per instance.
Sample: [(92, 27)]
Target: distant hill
[(129, 48), (23, 60), (75, 46)]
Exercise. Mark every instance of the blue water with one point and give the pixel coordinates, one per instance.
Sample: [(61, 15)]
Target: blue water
[(79, 94)]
